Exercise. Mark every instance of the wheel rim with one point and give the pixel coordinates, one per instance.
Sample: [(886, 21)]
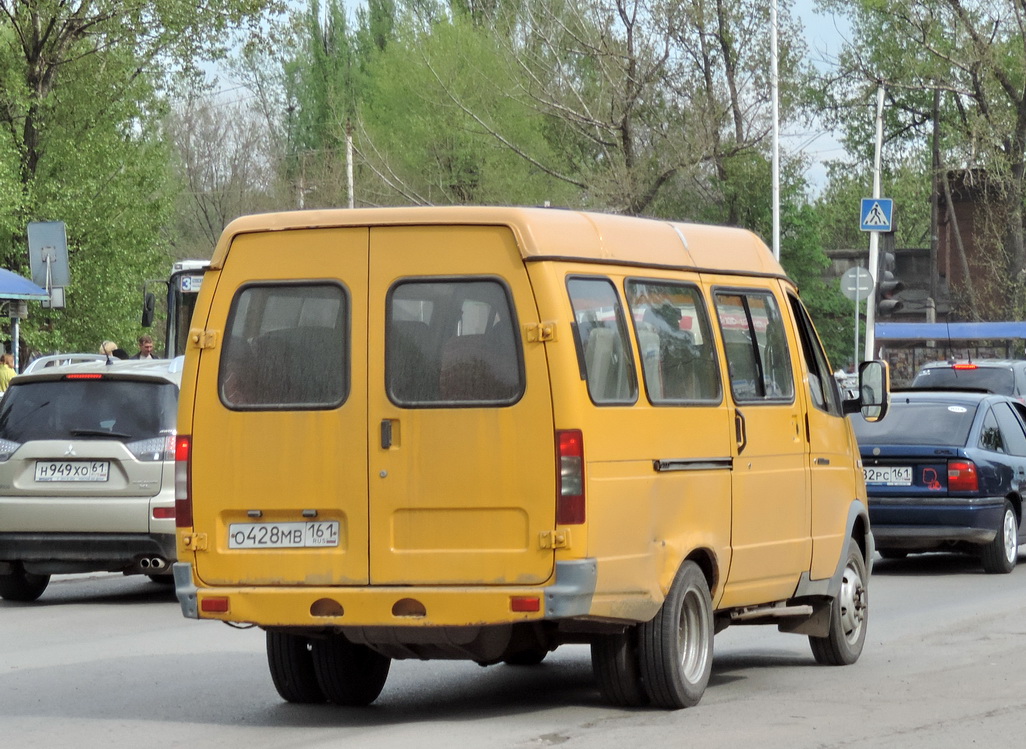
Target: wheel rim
[(692, 636), (1010, 533), (854, 602)]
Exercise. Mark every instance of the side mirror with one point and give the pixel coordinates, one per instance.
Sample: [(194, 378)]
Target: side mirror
[(874, 391), (149, 305)]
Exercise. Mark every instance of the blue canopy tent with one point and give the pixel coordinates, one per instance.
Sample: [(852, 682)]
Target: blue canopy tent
[(15, 288)]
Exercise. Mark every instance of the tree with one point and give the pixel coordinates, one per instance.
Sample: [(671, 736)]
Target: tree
[(974, 56), (78, 113)]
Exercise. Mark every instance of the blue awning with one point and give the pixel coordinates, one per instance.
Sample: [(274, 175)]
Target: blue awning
[(13, 286), (940, 331)]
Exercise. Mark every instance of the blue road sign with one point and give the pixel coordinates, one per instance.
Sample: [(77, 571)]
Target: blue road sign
[(876, 214)]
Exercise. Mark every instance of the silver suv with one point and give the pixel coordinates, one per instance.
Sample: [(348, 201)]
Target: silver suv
[(1003, 376), (87, 473)]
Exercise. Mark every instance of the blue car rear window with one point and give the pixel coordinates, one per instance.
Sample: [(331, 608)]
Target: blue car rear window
[(918, 424)]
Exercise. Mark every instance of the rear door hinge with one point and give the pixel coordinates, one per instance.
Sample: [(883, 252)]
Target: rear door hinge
[(200, 338), (195, 542), (554, 539), (540, 332)]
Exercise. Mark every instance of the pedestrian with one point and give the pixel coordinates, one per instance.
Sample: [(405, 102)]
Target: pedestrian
[(112, 351), (145, 348), (7, 370)]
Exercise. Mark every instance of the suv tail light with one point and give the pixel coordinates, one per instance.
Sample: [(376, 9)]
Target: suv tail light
[(183, 481), (962, 476), (7, 449), (156, 448), (570, 477)]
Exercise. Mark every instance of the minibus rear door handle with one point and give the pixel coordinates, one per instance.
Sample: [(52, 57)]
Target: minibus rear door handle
[(386, 434), (739, 429)]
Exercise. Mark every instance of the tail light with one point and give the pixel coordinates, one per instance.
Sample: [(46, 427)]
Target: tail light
[(570, 479), (183, 481), (962, 476), (156, 448), (963, 366)]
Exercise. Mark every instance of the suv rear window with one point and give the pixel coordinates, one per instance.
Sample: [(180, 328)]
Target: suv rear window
[(995, 379), (123, 410)]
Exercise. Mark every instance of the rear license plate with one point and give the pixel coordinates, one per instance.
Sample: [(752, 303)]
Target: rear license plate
[(72, 470), (888, 475), (283, 535)]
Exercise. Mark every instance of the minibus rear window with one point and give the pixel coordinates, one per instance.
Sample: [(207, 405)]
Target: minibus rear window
[(286, 348), (452, 343)]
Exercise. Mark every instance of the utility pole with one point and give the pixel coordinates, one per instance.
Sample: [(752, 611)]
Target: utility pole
[(874, 236)]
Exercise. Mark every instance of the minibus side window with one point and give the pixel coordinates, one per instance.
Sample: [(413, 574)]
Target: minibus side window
[(452, 342), (677, 353), (822, 385), (287, 347), (758, 360), (602, 341)]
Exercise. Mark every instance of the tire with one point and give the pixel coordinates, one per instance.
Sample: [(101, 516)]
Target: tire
[(1001, 554), (849, 615), (290, 660), (614, 661), (675, 649), (529, 657), (349, 674), (19, 585)]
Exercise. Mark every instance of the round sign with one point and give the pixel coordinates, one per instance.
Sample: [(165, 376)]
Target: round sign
[(857, 283)]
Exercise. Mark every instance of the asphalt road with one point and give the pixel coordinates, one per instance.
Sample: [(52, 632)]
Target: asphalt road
[(109, 661)]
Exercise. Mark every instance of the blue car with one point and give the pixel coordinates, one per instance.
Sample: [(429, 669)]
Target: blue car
[(946, 471)]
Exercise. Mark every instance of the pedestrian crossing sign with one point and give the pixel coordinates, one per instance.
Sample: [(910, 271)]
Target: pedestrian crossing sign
[(876, 214)]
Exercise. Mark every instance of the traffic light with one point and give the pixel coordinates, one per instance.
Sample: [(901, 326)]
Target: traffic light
[(887, 285)]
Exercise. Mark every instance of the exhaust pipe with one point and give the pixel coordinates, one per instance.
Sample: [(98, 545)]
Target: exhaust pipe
[(155, 563)]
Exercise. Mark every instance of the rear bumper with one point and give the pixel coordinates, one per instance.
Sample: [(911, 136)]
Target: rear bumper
[(56, 553), (393, 606), (915, 523)]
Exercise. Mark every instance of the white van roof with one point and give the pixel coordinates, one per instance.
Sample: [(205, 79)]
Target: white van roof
[(550, 233)]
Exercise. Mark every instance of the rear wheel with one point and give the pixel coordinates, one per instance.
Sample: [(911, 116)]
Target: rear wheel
[(290, 659), (675, 649), (614, 661), (1001, 554), (349, 674), (849, 613), (19, 585)]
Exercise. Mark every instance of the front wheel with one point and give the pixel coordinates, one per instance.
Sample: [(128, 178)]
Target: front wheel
[(1001, 554), (19, 585), (675, 649), (849, 612)]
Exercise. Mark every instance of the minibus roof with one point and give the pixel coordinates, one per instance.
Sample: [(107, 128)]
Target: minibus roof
[(551, 234)]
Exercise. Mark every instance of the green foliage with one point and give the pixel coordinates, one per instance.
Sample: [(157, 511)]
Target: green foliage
[(80, 145)]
